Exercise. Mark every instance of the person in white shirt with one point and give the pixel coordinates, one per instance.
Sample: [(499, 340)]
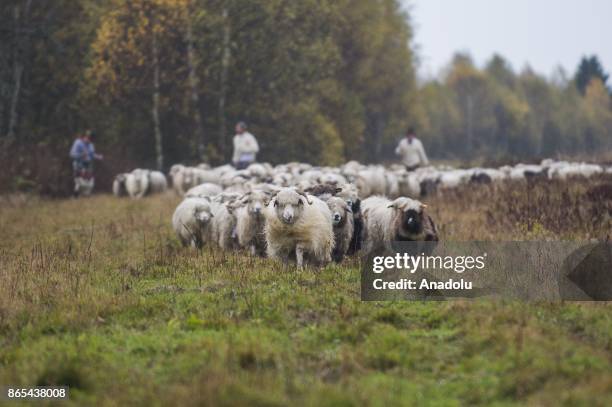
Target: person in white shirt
[(245, 147), (411, 151)]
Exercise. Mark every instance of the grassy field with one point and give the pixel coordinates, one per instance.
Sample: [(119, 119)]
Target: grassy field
[(97, 294)]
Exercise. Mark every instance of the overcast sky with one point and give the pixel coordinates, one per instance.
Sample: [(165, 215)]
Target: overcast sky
[(541, 33)]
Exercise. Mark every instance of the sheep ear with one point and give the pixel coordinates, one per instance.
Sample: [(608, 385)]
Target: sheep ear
[(347, 207), (305, 196), (394, 204), (423, 206)]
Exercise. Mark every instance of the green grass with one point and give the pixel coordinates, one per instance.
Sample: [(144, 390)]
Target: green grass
[(97, 294)]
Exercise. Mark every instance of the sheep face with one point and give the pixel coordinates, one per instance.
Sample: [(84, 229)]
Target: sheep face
[(188, 178), (255, 202), (340, 211), (175, 169), (202, 214), (289, 205), (410, 222)]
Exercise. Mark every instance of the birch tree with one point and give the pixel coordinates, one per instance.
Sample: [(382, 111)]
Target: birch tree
[(136, 58), (20, 16)]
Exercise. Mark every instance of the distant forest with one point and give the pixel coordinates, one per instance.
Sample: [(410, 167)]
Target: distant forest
[(321, 81)]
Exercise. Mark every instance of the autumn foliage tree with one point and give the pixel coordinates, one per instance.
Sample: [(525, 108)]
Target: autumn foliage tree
[(321, 81), (495, 114)]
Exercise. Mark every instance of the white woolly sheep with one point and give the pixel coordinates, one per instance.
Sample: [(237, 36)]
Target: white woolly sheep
[(119, 189), (408, 183), (204, 190), (250, 221), (371, 181), (570, 170), (226, 196), (176, 177), (137, 183), (349, 193), (186, 178), (191, 221), (391, 185), (84, 185), (332, 178), (299, 227), (223, 225), (157, 182), (259, 171)]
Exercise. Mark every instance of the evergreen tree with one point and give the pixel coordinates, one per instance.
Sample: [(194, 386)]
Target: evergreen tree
[(589, 68)]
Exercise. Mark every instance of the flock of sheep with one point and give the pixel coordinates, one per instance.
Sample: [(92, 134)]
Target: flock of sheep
[(315, 215)]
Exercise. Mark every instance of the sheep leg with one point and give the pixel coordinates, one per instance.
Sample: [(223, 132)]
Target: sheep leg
[(338, 255), (299, 256), (196, 241)]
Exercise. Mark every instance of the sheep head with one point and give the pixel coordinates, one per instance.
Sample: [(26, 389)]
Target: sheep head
[(202, 213), (350, 194), (188, 178), (255, 201), (175, 169), (289, 204), (412, 220), (340, 210)]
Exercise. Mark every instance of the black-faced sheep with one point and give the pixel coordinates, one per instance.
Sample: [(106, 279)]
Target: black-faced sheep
[(386, 221), (299, 227), (342, 221)]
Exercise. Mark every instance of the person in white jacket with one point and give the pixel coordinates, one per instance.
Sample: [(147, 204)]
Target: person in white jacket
[(411, 151), (245, 147)]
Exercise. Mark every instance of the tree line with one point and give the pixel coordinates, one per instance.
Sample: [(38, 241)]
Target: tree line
[(499, 114), (321, 81), (164, 81)]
